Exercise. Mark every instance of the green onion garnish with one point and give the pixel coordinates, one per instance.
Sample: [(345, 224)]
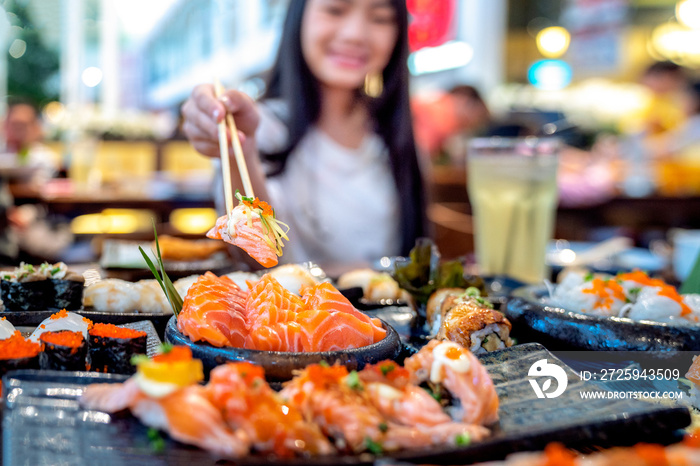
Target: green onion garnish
[(156, 441), (462, 440), (373, 447), (138, 359), (473, 292), (353, 381), (165, 348)]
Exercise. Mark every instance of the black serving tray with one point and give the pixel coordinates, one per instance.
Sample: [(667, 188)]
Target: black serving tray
[(559, 329), (43, 423)]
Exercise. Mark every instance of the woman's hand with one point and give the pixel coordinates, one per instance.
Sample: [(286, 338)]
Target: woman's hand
[(203, 111)]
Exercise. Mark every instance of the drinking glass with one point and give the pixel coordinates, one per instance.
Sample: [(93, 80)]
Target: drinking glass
[(512, 186)]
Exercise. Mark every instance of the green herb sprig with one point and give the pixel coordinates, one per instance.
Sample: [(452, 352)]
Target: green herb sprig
[(373, 447), (164, 281), (155, 440), (353, 381), (462, 440)]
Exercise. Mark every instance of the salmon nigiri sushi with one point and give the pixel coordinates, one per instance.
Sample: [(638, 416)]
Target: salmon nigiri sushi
[(253, 227)]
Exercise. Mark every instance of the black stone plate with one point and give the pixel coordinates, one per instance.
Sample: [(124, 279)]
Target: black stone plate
[(43, 423), (34, 318), (280, 365), (559, 329)]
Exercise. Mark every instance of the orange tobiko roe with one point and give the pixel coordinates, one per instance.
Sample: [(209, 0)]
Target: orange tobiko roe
[(557, 454), (651, 453), (175, 354), (59, 315), (323, 376), (249, 372), (112, 331), (692, 439), (389, 370), (17, 347), (63, 338), (262, 205)]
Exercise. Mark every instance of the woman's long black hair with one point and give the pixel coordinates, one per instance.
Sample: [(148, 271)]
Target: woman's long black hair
[(291, 81)]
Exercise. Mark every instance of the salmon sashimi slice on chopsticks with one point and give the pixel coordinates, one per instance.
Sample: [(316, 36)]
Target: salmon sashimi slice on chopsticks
[(213, 311), (253, 227)]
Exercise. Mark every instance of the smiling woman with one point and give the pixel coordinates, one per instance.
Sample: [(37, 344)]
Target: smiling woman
[(338, 163), (343, 41)]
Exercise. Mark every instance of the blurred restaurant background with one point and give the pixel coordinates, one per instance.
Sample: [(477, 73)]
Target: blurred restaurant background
[(109, 76)]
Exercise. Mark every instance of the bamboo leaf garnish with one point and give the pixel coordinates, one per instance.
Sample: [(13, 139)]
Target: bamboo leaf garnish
[(174, 298)]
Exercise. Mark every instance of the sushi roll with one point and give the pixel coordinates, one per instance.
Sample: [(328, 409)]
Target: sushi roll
[(37, 288), (64, 350), (68, 286), (438, 304), (464, 317), (477, 327), (6, 329), (23, 289), (17, 352), (62, 320), (112, 347)]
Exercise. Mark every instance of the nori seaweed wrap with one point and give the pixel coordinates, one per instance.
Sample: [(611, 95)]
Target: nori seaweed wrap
[(16, 352), (63, 351), (27, 296), (112, 347), (68, 291), (47, 286)]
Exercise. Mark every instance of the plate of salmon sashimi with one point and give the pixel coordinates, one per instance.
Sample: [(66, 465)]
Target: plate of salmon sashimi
[(277, 329)]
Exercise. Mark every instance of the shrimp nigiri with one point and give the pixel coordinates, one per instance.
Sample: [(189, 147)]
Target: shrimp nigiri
[(253, 227), (164, 394)]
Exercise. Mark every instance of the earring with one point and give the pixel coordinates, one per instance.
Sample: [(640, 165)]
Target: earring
[(374, 84)]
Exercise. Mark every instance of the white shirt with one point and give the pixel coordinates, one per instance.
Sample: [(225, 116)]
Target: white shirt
[(341, 204)]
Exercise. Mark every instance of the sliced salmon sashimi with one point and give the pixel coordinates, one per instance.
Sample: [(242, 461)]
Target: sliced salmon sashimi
[(213, 311), (271, 318)]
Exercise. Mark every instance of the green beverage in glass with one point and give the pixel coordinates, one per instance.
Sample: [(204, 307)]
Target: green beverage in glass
[(512, 186)]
